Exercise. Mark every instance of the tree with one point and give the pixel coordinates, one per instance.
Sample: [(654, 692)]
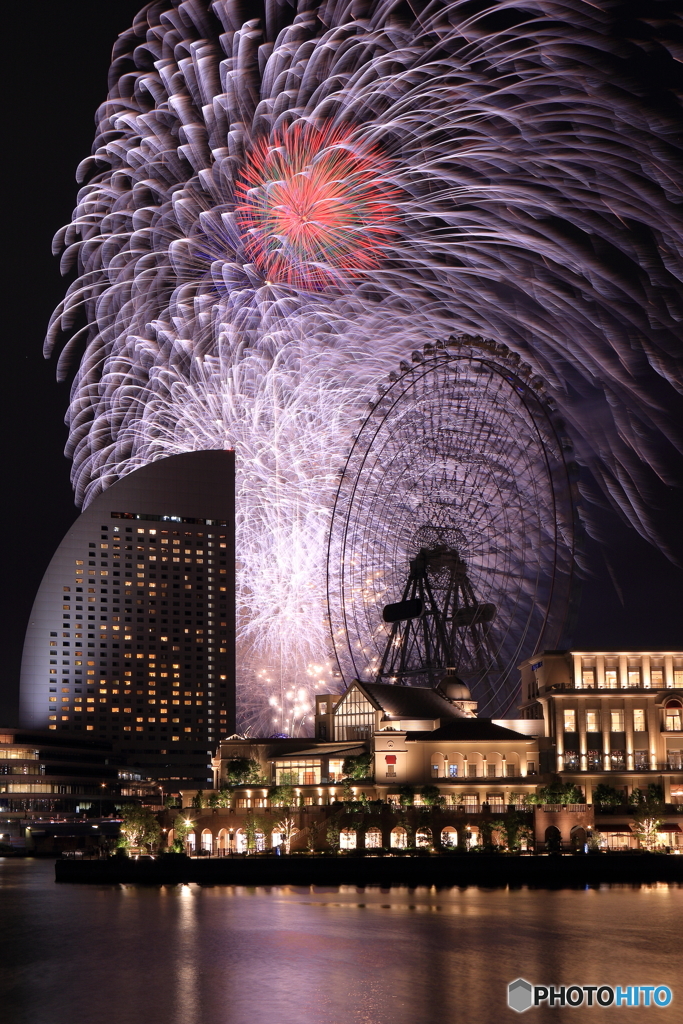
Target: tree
[(406, 796), (332, 833), (287, 829), (431, 796), (241, 770), (213, 801), (198, 800), (170, 801), (224, 796), (648, 808), (253, 826), (607, 796), (358, 767), (182, 827), (283, 794), (314, 830), (139, 827), (561, 793), (513, 823)]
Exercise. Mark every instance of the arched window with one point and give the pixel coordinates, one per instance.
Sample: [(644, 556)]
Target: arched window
[(553, 839), (399, 838), (347, 839), (373, 838), (449, 837), (222, 842), (191, 840), (673, 721), (438, 769), (207, 841), (275, 838), (423, 837), (241, 840)]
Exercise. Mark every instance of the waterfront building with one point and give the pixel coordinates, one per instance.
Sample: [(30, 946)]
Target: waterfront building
[(424, 746), (46, 777), (611, 719), (131, 638)]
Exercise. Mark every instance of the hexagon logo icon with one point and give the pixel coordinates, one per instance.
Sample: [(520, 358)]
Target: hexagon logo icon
[(520, 995)]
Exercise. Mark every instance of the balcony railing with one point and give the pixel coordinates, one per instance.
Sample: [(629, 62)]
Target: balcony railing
[(666, 766), (564, 807)]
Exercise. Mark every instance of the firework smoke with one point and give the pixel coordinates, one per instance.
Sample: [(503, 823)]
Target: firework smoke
[(511, 171)]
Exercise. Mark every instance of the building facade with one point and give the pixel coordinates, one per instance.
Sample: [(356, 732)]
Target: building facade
[(609, 718), (424, 747), (132, 634), (47, 777)]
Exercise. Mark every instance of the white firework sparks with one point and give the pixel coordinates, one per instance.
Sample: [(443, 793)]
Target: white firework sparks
[(498, 179)]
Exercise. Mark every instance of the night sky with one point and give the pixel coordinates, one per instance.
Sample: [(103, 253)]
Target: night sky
[(56, 59)]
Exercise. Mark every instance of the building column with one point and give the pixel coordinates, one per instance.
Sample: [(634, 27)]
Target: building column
[(668, 670), (600, 672), (645, 676), (578, 681), (654, 733), (606, 723), (559, 737), (628, 729), (623, 671), (583, 743)]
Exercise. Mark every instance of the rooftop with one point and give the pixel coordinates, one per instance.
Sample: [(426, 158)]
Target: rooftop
[(412, 702)]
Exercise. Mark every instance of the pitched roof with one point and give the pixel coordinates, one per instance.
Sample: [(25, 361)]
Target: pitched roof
[(468, 729), (321, 750), (410, 701)]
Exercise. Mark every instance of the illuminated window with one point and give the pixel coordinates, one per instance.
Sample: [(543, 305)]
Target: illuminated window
[(633, 676), (611, 679), (617, 721), (570, 721), (657, 678), (639, 720), (674, 717), (592, 721), (298, 772), (588, 678), (354, 717)]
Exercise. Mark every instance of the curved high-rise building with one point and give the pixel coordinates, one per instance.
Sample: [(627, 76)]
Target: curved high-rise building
[(132, 633)]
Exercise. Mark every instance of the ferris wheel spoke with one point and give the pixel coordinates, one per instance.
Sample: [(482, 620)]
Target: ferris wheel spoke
[(457, 470)]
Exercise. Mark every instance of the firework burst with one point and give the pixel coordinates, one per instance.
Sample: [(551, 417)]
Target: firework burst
[(314, 208), (277, 212)]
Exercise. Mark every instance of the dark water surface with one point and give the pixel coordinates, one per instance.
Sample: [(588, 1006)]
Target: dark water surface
[(184, 955)]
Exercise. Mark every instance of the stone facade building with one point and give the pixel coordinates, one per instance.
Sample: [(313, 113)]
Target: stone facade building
[(427, 748)]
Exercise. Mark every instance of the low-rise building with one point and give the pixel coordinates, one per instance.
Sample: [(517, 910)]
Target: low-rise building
[(588, 719), (612, 721), (44, 777)]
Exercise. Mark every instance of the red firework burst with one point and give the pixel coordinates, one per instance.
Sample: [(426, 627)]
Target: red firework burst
[(314, 206)]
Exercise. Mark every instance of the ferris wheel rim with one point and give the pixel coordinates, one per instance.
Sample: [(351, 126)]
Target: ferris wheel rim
[(515, 378)]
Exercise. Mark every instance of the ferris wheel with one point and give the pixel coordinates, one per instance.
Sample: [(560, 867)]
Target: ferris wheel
[(452, 536)]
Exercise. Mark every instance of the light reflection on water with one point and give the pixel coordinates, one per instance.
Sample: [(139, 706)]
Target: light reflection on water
[(185, 954)]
